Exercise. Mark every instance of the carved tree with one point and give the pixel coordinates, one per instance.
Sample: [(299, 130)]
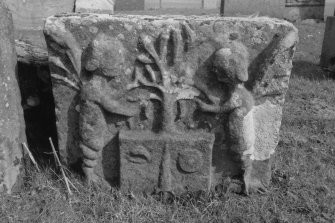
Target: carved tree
[(158, 69)]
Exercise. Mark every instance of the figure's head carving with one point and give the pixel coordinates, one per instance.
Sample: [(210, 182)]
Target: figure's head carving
[(231, 63), (107, 55)]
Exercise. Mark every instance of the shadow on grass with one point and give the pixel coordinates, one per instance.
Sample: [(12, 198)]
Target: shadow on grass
[(311, 71)]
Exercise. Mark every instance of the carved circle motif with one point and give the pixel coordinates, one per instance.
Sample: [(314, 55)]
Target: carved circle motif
[(190, 160)]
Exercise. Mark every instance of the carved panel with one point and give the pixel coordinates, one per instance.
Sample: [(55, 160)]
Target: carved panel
[(168, 104), (165, 163)]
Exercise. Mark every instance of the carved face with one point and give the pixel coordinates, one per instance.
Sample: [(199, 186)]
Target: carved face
[(172, 163), (231, 64), (107, 55)]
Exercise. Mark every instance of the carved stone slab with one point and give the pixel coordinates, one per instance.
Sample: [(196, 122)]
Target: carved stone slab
[(167, 162), (163, 77), (11, 115)]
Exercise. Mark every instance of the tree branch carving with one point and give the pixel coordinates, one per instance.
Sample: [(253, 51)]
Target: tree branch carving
[(161, 67)]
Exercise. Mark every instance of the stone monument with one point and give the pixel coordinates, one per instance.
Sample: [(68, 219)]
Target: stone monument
[(11, 115), (169, 104), (327, 58), (96, 6)]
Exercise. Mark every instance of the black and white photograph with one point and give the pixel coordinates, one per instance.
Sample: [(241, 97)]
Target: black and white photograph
[(181, 111)]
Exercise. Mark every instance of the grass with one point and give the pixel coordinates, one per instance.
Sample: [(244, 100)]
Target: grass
[(303, 173)]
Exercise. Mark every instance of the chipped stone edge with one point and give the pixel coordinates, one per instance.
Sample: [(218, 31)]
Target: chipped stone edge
[(103, 17)]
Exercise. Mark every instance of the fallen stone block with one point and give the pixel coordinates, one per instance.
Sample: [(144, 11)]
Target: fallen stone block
[(12, 128), (144, 102)]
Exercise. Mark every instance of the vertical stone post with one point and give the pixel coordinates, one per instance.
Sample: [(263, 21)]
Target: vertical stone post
[(328, 49), (11, 114)]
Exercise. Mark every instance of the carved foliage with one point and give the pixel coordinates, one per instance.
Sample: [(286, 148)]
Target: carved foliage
[(158, 69)]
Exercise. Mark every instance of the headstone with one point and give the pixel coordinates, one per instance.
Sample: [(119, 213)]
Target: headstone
[(272, 8), (193, 4), (329, 8), (169, 104), (129, 5), (304, 9), (11, 115), (212, 4), (95, 6), (291, 10), (151, 4), (328, 48)]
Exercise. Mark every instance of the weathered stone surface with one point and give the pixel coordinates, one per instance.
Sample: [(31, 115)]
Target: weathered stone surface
[(162, 81), (166, 162), (11, 115), (95, 6)]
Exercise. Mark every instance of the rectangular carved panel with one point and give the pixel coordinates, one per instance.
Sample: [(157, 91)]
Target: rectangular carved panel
[(168, 84), (168, 162)]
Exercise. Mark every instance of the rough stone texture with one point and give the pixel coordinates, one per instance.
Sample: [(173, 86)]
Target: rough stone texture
[(161, 81), (328, 49), (95, 6), (165, 162), (11, 115)]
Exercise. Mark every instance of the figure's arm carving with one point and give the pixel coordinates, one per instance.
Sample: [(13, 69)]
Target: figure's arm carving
[(116, 107), (214, 108), (233, 103)]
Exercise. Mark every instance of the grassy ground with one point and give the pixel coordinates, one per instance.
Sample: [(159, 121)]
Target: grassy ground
[(303, 176)]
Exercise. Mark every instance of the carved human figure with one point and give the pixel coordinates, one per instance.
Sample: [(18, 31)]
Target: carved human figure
[(96, 98), (231, 67)]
